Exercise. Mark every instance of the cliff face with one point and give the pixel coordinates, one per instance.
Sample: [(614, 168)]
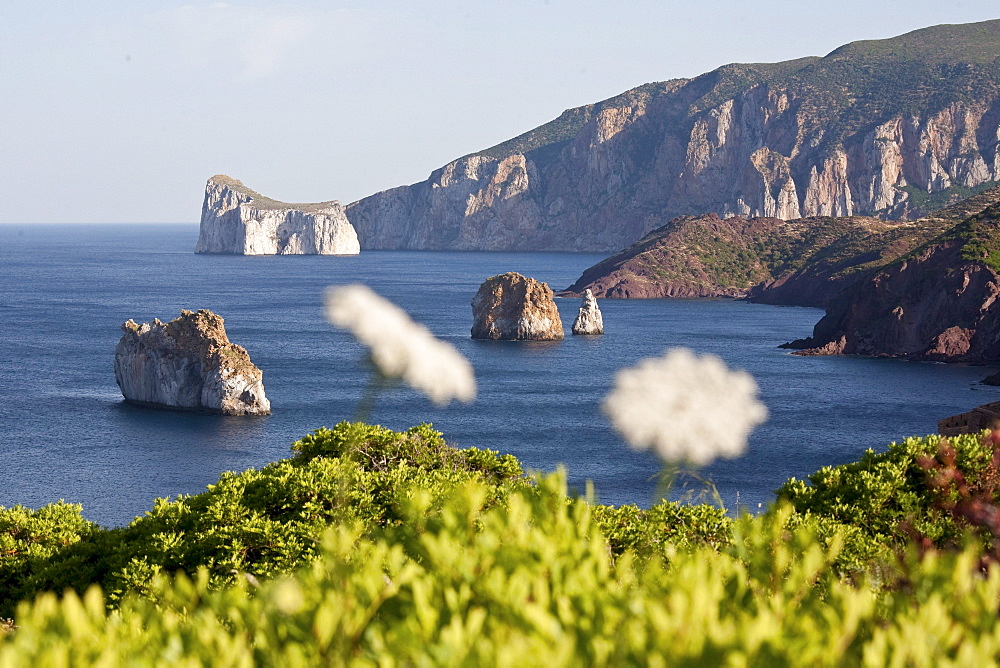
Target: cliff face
[(938, 303), (235, 219), (868, 130), (188, 364)]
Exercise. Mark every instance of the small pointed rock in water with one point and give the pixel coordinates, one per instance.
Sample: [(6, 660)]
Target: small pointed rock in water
[(513, 307), (188, 364), (589, 319)]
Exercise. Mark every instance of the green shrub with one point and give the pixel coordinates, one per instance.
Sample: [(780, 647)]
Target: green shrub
[(261, 522), (377, 547), (881, 491), (531, 580)]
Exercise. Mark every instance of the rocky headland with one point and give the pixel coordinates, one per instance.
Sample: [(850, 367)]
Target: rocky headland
[(938, 302), (891, 129), (801, 262), (235, 219), (512, 307), (188, 364)]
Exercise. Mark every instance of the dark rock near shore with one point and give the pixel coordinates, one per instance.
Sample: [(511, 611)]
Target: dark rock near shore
[(982, 417)]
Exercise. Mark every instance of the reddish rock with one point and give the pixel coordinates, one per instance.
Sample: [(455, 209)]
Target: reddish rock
[(939, 303), (982, 417)]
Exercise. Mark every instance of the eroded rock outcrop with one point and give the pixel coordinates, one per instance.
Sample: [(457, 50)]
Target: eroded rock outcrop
[(589, 320), (513, 307), (235, 219), (868, 130), (188, 364), (938, 303), (979, 418)]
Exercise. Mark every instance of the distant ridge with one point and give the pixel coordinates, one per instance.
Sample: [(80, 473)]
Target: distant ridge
[(874, 128)]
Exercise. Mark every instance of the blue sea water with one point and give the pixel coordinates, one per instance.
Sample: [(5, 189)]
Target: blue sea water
[(65, 432)]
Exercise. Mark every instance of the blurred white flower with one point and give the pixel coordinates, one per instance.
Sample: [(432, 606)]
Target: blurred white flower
[(685, 407), (401, 348)]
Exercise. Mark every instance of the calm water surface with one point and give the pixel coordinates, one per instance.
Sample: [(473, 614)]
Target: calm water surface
[(66, 434)]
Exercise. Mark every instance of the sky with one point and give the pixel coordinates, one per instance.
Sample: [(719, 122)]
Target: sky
[(119, 111)]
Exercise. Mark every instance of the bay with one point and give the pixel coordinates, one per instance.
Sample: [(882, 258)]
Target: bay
[(65, 432)]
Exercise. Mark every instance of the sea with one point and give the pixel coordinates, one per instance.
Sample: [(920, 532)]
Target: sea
[(66, 433)]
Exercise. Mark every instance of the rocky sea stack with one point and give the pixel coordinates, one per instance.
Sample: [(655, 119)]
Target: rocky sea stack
[(237, 220), (512, 307), (188, 364), (589, 320)]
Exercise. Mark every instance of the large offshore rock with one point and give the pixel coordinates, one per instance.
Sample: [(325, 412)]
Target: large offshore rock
[(188, 364), (513, 307), (235, 219), (589, 320)]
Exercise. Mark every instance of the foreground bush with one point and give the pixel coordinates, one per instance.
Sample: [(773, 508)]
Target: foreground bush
[(261, 522), (531, 580), (887, 500), (378, 547), (269, 521)]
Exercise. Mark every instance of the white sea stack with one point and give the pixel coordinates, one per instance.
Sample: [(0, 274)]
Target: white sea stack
[(513, 307), (188, 364), (237, 220), (589, 319)]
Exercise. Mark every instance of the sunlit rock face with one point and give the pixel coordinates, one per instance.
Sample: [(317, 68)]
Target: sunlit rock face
[(237, 220), (513, 307), (868, 130), (589, 320), (188, 364)]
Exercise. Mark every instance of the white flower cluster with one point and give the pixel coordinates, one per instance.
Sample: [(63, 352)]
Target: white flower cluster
[(685, 407), (400, 347)]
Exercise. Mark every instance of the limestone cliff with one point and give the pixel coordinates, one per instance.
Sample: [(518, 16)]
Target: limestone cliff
[(513, 307), (235, 219), (937, 303), (872, 129), (188, 364)]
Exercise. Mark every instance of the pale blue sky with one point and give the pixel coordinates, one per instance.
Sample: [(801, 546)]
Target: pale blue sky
[(118, 111)]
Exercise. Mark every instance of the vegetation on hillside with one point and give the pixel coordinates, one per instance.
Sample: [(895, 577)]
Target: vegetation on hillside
[(412, 552), (731, 256)]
